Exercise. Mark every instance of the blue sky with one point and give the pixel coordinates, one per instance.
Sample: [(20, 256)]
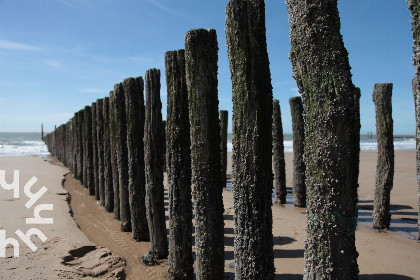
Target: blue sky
[(56, 56)]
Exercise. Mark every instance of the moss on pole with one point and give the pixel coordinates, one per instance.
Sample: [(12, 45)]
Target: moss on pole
[(153, 158), (382, 97), (414, 6), (122, 155), (322, 72), (100, 149), (108, 181), (113, 125), (224, 118), (252, 138), (279, 165), (134, 108), (94, 190), (201, 73), (299, 185), (178, 158)]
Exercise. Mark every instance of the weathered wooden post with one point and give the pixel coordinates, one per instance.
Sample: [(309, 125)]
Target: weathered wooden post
[(84, 155), (382, 97), (252, 145), (414, 6), (100, 149), (134, 108), (74, 144), (322, 72), (164, 144), (80, 121), (114, 159), (279, 164), (153, 159), (95, 189), (298, 126), (223, 144), (42, 131), (201, 73), (88, 164), (178, 155), (122, 155), (108, 186)]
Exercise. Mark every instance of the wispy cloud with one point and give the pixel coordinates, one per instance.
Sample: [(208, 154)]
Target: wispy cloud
[(168, 10), (77, 4), (295, 90), (92, 90), (54, 64), (10, 45)]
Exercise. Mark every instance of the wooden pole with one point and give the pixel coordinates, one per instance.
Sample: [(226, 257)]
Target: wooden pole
[(201, 72), (178, 155), (252, 147), (153, 158)]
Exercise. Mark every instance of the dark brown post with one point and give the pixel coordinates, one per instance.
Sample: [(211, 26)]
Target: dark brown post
[(118, 97), (201, 72), (322, 72), (178, 155), (414, 6), (298, 126), (113, 125), (153, 159), (252, 148), (279, 164), (80, 121), (382, 97), (134, 108), (88, 164), (108, 186), (42, 131), (100, 149), (164, 144), (223, 144), (95, 189)]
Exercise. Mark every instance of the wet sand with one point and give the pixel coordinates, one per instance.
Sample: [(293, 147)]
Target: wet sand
[(393, 254)]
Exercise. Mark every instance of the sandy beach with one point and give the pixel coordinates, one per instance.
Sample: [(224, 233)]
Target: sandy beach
[(90, 244)]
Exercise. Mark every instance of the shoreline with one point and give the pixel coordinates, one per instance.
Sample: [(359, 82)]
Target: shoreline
[(390, 254)]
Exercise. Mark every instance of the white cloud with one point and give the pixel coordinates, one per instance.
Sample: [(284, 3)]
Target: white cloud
[(54, 64), (168, 10), (295, 90), (10, 45), (92, 90)]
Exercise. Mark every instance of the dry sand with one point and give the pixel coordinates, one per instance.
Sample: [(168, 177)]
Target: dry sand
[(393, 254), (67, 253)]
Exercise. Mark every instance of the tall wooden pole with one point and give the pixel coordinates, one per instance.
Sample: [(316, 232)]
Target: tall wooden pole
[(279, 164), (252, 146), (178, 155), (201, 72), (153, 158)]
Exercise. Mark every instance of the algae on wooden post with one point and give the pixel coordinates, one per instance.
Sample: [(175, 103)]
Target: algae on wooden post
[(201, 73), (223, 144), (252, 138), (414, 6), (382, 97), (113, 125), (88, 164), (95, 160), (322, 72), (279, 165), (153, 159), (100, 149), (122, 155), (134, 108), (299, 185), (108, 181), (178, 158)]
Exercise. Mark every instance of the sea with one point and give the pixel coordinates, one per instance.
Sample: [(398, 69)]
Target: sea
[(30, 143)]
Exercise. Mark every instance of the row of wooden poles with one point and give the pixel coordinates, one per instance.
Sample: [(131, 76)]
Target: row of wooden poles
[(125, 169)]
